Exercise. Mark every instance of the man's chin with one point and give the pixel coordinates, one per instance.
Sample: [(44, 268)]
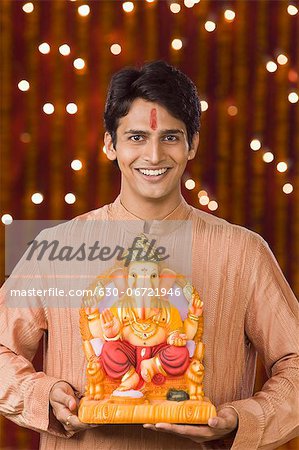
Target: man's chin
[(154, 196)]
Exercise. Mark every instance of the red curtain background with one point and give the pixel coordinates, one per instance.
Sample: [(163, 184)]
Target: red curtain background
[(228, 66)]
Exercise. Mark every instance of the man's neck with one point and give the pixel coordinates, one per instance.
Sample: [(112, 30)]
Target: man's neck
[(150, 209)]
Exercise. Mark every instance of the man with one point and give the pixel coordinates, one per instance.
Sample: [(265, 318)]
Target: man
[(152, 121)]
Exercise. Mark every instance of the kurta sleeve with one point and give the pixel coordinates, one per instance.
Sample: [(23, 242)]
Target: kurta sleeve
[(24, 393), (271, 417)]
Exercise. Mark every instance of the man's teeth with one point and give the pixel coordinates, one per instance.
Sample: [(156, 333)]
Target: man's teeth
[(153, 173)]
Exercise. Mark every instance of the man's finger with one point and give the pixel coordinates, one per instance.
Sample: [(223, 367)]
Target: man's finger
[(59, 396), (67, 421), (72, 422), (173, 428), (227, 419), (149, 426), (194, 431)]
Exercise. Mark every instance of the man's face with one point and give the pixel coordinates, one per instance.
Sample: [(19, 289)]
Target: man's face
[(151, 150)]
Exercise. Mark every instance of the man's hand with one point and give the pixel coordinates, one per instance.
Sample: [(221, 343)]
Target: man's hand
[(217, 428), (65, 406)]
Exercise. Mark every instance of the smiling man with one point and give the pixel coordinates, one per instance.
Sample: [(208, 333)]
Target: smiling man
[(152, 157), (152, 118)]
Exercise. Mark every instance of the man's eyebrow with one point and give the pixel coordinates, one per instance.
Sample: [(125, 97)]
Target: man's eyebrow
[(166, 131), (136, 132), (172, 131)]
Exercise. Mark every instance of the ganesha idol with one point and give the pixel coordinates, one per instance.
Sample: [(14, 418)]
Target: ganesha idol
[(141, 332)]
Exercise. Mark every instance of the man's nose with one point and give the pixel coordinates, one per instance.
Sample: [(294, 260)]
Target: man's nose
[(154, 152)]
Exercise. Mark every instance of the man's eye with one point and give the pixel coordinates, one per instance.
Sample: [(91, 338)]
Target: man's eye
[(170, 138), (136, 138)]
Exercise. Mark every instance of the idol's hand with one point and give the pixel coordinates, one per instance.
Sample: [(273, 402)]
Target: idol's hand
[(177, 339), (65, 407), (90, 304), (110, 324), (196, 305), (218, 427), (90, 310)]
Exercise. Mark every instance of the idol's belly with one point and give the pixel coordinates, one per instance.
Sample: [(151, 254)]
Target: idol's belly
[(144, 337)]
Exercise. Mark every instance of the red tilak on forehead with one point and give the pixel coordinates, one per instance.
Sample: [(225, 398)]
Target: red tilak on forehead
[(153, 119)]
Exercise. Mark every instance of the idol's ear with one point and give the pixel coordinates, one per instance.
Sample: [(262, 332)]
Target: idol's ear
[(119, 277), (167, 279), (110, 150)]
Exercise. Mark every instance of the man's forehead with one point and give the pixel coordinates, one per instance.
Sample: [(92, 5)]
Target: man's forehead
[(145, 105), (150, 117)]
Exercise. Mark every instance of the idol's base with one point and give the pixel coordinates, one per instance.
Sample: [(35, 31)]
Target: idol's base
[(120, 410)]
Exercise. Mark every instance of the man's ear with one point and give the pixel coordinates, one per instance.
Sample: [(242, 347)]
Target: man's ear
[(194, 146), (110, 150)]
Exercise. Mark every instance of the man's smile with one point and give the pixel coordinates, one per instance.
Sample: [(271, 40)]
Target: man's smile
[(153, 173)]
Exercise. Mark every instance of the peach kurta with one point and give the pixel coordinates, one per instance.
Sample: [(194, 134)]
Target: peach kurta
[(248, 308)]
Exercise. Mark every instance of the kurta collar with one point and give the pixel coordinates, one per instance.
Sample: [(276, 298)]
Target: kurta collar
[(116, 211)]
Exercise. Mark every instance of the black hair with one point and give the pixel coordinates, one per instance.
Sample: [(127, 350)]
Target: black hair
[(156, 82)]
